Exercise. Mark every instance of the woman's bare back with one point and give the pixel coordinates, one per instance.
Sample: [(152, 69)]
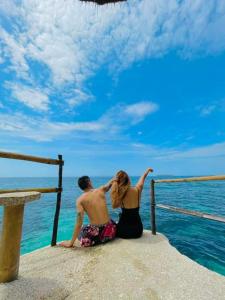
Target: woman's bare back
[(131, 199)]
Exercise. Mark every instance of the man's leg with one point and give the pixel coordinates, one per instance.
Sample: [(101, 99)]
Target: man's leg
[(89, 235)]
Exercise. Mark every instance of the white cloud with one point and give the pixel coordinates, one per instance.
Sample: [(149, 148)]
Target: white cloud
[(215, 106), (156, 153), (1, 55), (79, 97), (140, 110), (121, 117), (41, 129), (153, 151), (14, 50), (110, 125), (214, 150), (29, 96), (73, 39), (178, 152), (207, 110), (8, 8)]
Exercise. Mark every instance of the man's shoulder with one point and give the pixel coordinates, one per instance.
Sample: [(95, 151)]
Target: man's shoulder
[(87, 195), (80, 199), (100, 189)]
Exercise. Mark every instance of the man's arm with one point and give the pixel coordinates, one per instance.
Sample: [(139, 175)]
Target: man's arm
[(77, 227), (141, 181), (105, 188)]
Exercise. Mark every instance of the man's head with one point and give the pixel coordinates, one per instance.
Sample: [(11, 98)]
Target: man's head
[(84, 183)]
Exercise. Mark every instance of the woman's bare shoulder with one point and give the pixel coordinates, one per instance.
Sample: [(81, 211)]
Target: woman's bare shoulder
[(133, 188)]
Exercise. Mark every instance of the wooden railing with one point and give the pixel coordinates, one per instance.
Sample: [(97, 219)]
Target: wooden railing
[(177, 209), (57, 190)]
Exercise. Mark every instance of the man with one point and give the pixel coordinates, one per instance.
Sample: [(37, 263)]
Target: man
[(93, 201)]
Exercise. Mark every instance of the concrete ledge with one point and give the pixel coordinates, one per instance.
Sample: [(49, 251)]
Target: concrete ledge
[(146, 268), (18, 198)]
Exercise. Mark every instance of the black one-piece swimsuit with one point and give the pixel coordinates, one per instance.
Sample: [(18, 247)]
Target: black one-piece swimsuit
[(130, 225)]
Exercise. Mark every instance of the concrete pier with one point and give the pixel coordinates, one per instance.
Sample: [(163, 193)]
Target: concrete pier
[(146, 268)]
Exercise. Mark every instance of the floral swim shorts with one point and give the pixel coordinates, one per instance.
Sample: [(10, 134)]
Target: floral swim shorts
[(91, 235)]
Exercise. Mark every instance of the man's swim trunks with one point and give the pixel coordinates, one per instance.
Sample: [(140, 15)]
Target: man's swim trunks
[(92, 235)]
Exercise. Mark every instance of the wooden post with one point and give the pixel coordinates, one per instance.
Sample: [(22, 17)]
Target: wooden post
[(12, 232), (58, 203), (153, 207), (10, 242)]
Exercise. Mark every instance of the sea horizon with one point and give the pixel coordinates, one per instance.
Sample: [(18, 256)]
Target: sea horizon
[(108, 176)]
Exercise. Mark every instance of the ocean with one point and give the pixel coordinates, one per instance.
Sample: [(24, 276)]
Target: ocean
[(201, 240)]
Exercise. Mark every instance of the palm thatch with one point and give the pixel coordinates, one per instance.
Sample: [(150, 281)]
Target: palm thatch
[(102, 2)]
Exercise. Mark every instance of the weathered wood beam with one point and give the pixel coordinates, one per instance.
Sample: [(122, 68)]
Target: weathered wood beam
[(42, 160), (192, 213), (203, 178)]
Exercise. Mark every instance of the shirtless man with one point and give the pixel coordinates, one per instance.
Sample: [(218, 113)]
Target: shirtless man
[(93, 201)]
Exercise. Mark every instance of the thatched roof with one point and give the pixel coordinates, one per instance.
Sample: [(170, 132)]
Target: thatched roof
[(101, 2)]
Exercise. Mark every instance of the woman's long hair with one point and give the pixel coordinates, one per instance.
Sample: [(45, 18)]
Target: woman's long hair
[(120, 188)]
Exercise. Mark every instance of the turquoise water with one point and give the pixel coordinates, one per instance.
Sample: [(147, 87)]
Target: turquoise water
[(201, 240)]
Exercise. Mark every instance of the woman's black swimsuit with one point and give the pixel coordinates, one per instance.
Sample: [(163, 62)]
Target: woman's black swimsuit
[(130, 225)]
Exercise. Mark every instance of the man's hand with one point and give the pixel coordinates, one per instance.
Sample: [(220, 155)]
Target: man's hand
[(108, 185), (149, 170), (66, 244)]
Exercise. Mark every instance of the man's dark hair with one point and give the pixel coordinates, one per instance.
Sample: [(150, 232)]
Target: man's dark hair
[(83, 182)]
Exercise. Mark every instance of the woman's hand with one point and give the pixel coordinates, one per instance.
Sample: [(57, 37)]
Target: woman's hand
[(149, 170), (66, 244)]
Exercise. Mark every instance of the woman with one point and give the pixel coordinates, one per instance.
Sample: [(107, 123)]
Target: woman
[(128, 198)]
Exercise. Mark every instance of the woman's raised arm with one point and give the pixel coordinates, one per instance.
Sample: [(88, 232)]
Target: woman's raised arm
[(141, 180)]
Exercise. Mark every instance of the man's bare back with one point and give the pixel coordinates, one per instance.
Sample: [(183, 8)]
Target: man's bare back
[(94, 204)]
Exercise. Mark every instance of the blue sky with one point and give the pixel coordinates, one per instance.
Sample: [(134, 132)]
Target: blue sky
[(127, 86)]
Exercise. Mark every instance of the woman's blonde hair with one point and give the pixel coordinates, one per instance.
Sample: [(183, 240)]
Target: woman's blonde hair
[(120, 188)]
